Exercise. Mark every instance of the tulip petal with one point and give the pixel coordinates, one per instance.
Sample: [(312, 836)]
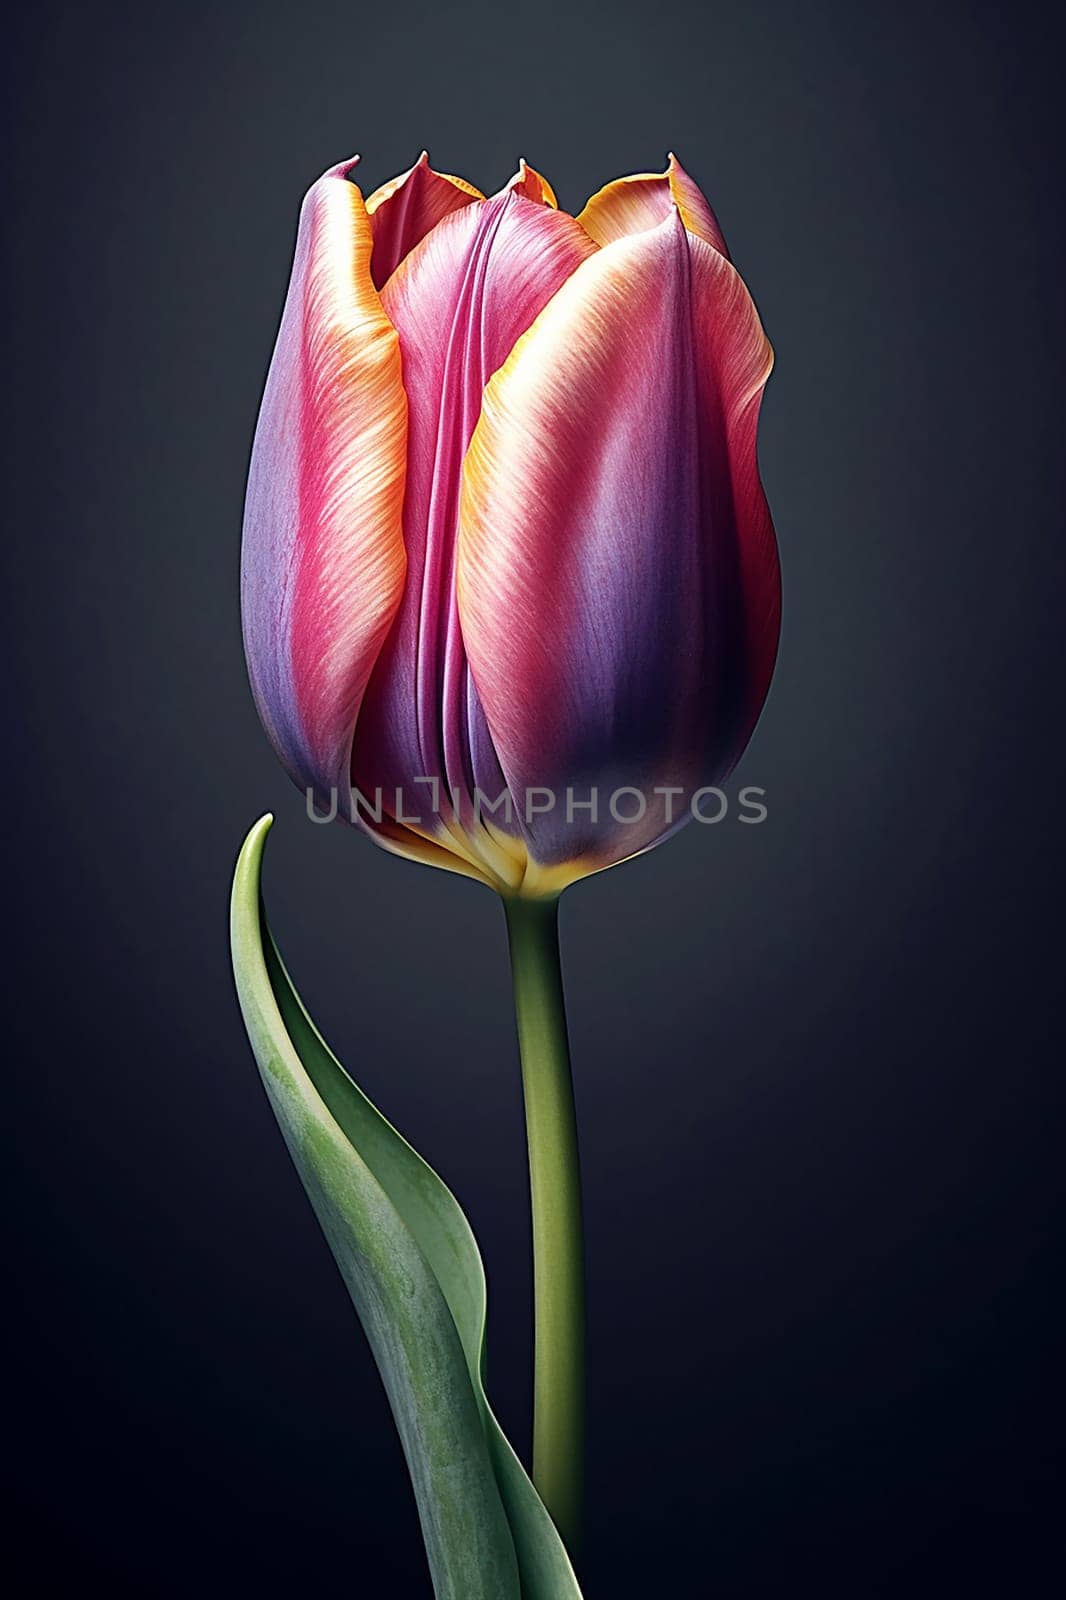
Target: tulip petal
[(323, 559), (532, 185), (406, 208), (618, 582), (630, 205), (459, 303)]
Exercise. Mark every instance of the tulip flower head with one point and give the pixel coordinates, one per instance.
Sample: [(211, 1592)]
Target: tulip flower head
[(510, 584)]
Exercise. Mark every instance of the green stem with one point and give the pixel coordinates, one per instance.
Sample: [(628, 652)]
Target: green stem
[(555, 1189)]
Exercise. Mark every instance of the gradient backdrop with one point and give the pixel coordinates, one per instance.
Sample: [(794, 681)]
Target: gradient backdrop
[(819, 1101)]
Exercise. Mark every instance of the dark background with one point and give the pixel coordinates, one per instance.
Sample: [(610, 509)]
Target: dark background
[(819, 1100)]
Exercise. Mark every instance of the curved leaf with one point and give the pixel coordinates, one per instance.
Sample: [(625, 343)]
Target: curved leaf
[(412, 1267)]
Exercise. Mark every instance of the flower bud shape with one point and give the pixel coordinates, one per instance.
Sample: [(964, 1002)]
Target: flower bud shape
[(509, 582)]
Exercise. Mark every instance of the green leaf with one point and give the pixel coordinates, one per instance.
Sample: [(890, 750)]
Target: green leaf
[(411, 1265)]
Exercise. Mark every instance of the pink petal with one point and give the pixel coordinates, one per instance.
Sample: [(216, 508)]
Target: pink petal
[(618, 580), (323, 559), (532, 186), (630, 205), (459, 302), (406, 208)]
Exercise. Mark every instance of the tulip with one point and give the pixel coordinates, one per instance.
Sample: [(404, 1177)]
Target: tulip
[(506, 552), (510, 584)]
